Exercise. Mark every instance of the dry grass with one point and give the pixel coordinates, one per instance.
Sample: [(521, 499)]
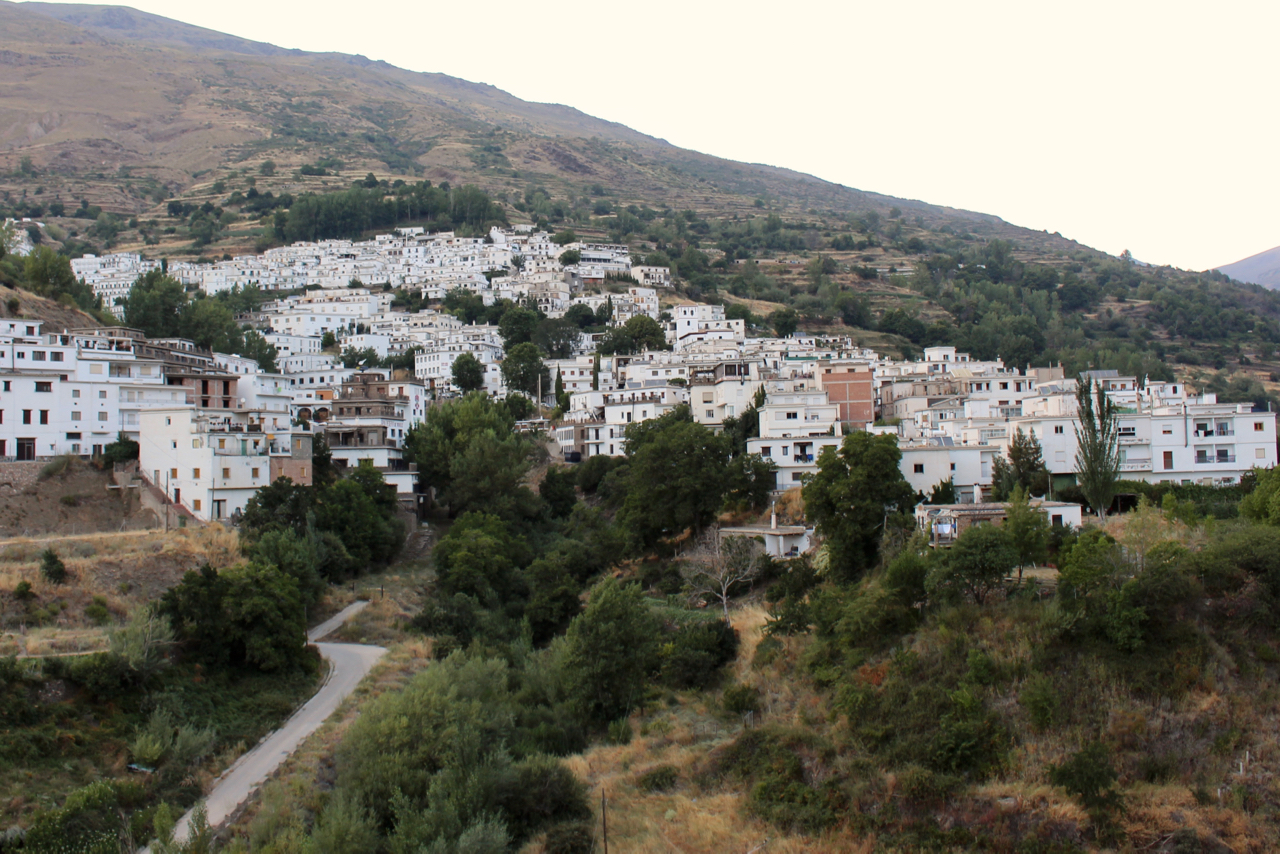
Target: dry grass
[(124, 570)]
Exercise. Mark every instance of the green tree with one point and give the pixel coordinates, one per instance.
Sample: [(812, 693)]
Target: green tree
[(468, 453), (609, 652), (676, 478), (856, 490), (523, 368), (518, 326), (975, 565), (636, 335), (558, 337), (259, 349), (595, 372), (155, 305), (558, 490), (247, 615), (554, 598), (468, 373), (1097, 440), (784, 321), (580, 315), (477, 558), (1023, 467), (1028, 530), (562, 398), (52, 569)]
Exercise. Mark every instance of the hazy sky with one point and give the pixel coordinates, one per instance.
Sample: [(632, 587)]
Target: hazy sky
[(1125, 125)]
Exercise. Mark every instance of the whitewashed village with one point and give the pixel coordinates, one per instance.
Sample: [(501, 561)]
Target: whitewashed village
[(215, 427)]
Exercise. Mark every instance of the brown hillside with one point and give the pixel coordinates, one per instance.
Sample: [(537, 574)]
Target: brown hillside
[(124, 109), (56, 316)]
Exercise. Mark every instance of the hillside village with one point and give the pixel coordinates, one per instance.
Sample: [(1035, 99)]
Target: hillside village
[(213, 427)]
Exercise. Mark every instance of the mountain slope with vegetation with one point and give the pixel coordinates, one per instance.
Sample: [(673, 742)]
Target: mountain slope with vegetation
[(132, 132)]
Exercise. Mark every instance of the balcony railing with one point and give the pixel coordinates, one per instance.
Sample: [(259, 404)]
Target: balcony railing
[(804, 458), (1206, 434), (1221, 458)]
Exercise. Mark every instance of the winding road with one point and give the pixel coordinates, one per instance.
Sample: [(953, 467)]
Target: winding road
[(349, 663)]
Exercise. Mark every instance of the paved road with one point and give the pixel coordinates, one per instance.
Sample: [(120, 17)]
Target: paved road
[(349, 663)]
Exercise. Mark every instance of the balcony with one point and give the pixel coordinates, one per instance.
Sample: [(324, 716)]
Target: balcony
[(803, 458), (1220, 458), (1135, 465), (1134, 440), (1209, 434)]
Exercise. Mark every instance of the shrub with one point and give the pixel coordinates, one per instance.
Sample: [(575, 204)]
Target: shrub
[(97, 611), (56, 466), (1090, 777), (23, 592), (594, 470), (658, 779), (923, 787), (693, 655), (70, 500), (1040, 699), (740, 699), (620, 732), (570, 839), (52, 567)]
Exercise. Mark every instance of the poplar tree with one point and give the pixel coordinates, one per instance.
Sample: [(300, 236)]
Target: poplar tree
[(1097, 440)]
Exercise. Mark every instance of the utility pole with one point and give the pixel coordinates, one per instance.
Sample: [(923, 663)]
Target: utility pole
[(604, 820)]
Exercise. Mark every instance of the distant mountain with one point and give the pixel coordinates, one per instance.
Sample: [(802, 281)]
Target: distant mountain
[(94, 94), (1261, 269)]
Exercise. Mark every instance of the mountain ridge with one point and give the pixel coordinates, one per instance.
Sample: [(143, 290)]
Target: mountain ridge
[(231, 100), (1262, 269)]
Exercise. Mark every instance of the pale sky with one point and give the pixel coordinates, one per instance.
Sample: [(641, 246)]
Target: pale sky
[(1143, 126)]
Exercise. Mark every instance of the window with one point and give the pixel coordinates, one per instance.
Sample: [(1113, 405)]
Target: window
[(711, 413), (39, 355), (953, 466), (102, 416), (1260, 453), (195, 505), (75, 415), (226, 474), (195, 474), (75, 393), (919, 468), (1168, 460), (1259, 427), (44, 388), (255, 474), (95, 369), (6, 385), (766, 451), (1166, 429), (173, 474), (44, 416), (792, 416), (102, 394), (1057, 428), (796, 475), (55, 356), (26, 416), (1004, 386)]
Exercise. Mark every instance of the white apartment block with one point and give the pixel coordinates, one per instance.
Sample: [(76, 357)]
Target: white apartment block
[(72, 393), (796, 425), (211, 462)]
